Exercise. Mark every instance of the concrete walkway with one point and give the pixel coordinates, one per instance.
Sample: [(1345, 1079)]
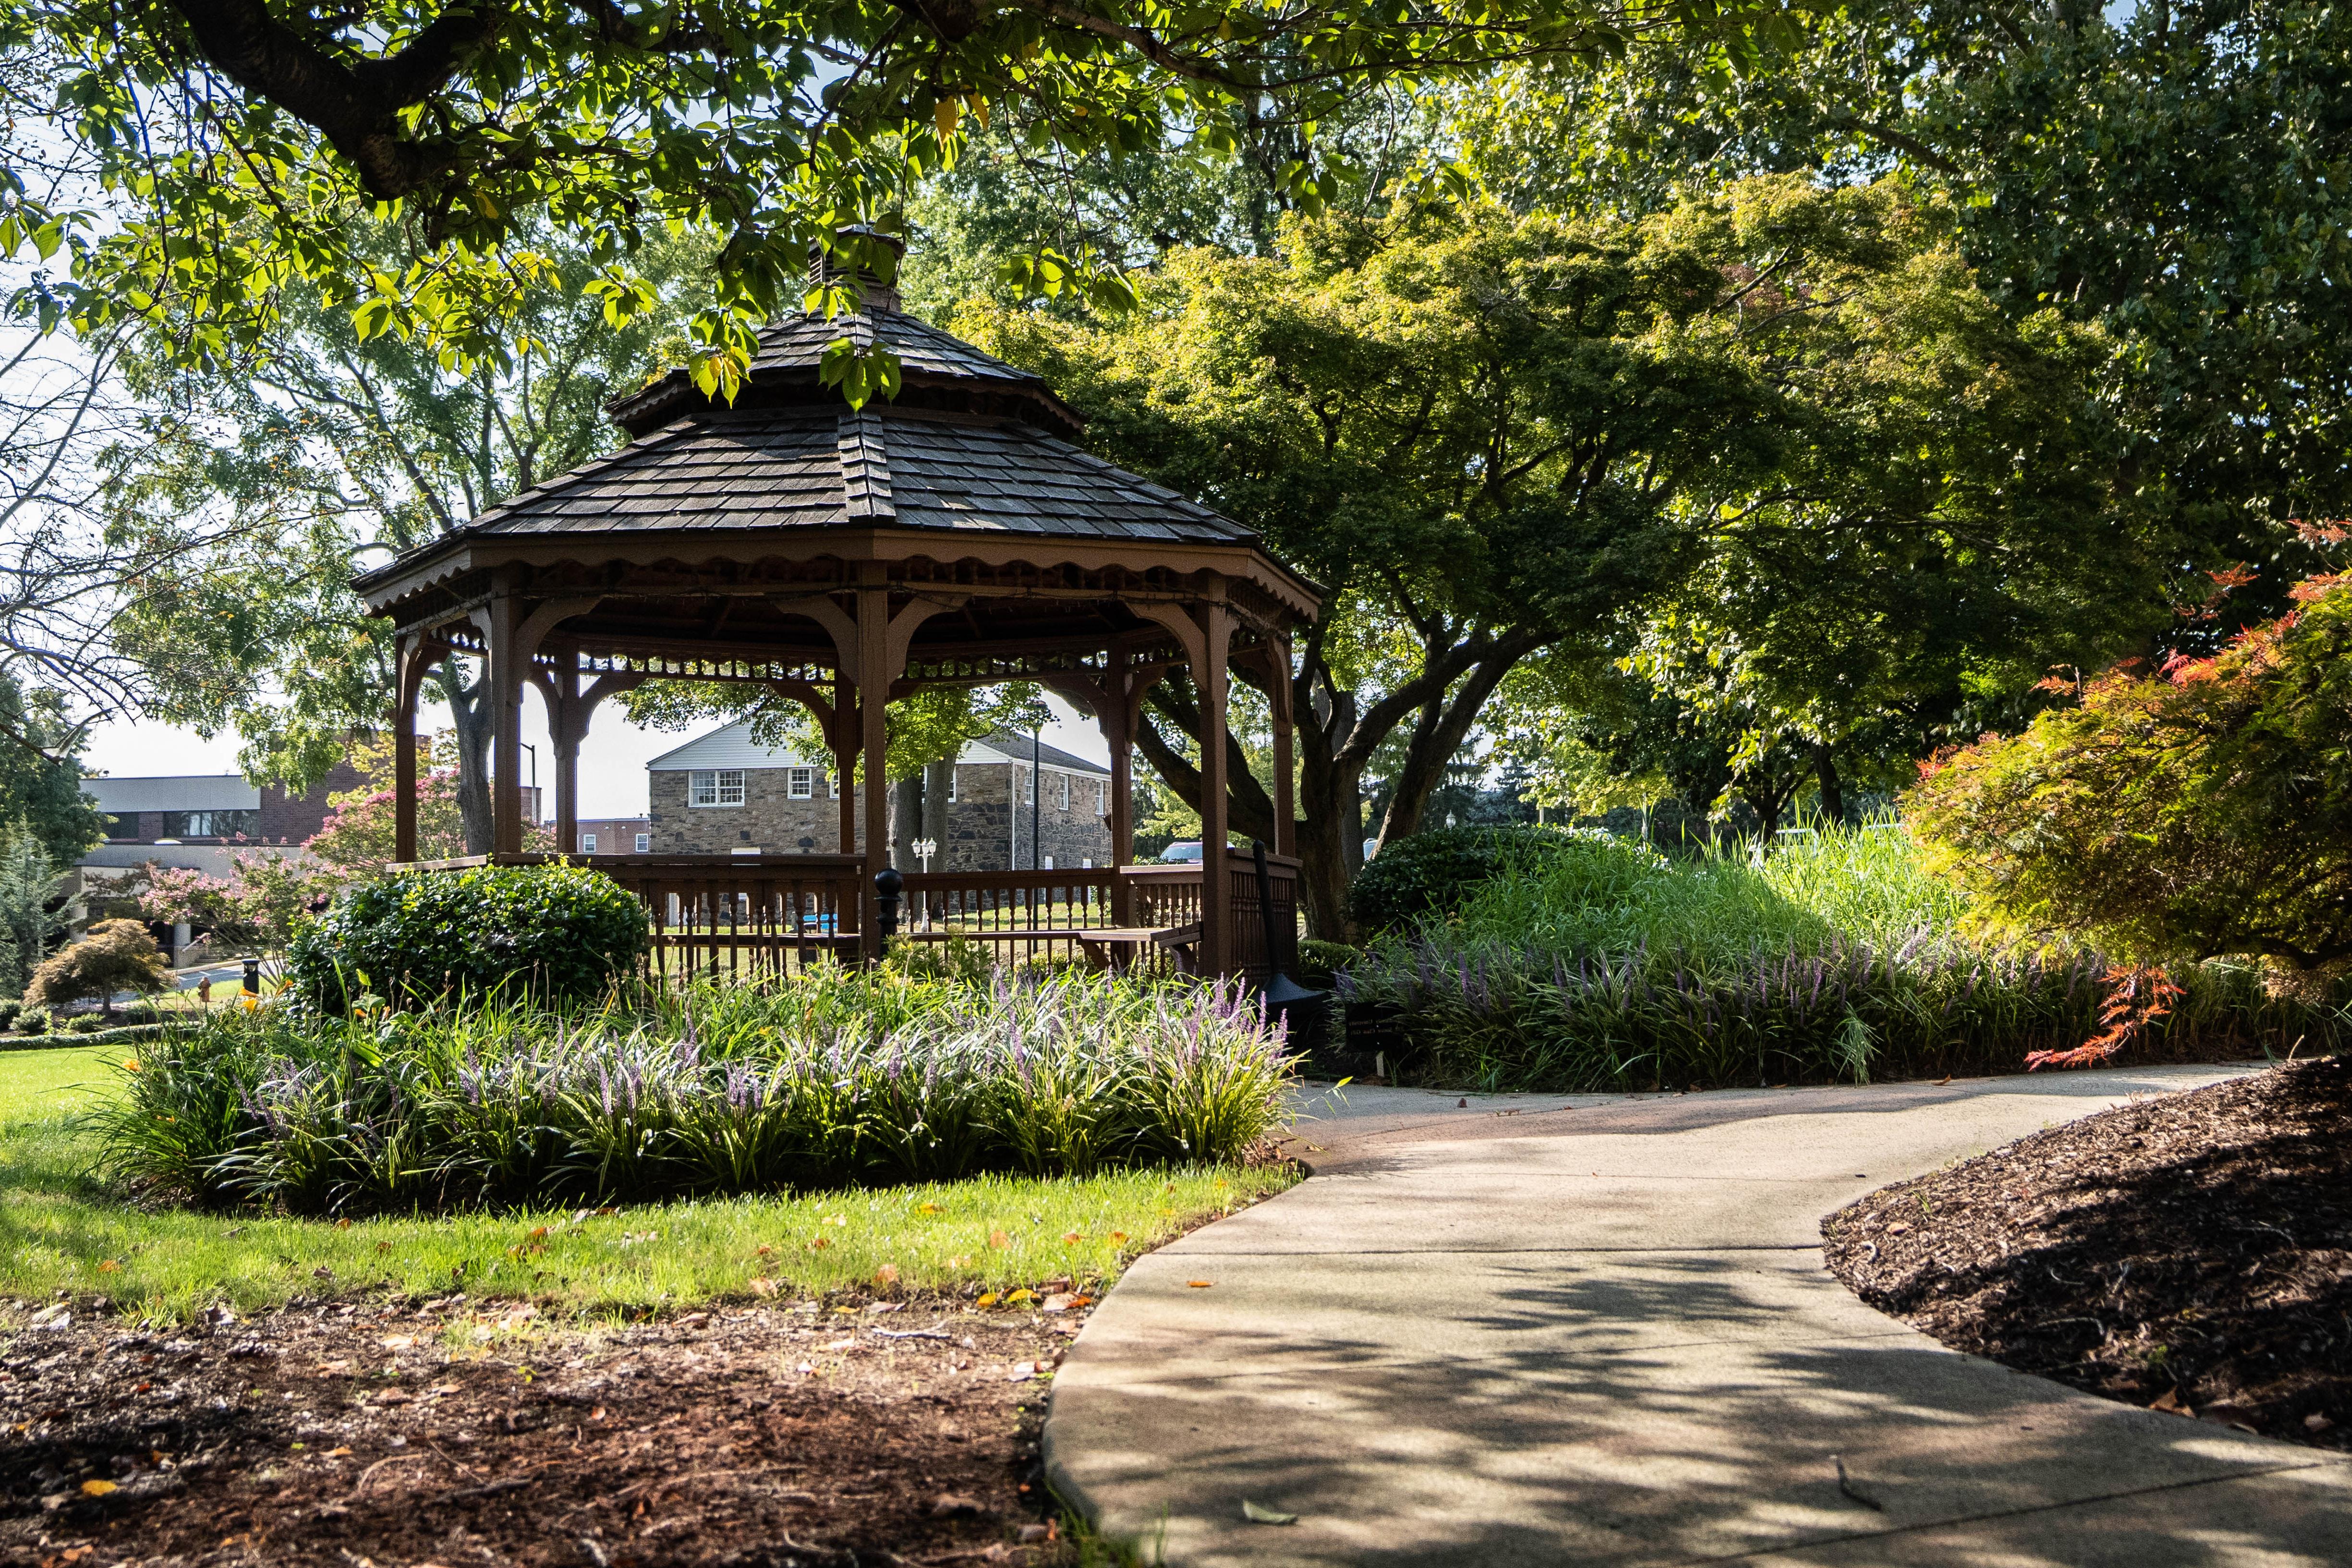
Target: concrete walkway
[(1598, 1329)]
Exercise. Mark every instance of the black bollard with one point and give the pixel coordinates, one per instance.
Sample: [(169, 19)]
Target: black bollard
[(887, 885), (253, 976)]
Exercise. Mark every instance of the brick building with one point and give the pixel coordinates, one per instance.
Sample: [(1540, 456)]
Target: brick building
[(213, 808), (616, 835), (724, 792)]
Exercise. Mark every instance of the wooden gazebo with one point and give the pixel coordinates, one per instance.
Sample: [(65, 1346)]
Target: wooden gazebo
[(954, 534)]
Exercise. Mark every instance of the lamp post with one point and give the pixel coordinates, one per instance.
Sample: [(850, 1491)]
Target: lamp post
[(924, 849), (535, 801)]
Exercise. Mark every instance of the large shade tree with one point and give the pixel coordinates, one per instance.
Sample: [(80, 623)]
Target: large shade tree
[(241, 140), (1488, 437)]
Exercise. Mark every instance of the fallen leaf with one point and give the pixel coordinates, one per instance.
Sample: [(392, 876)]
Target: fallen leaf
[(1020, 1296), (383, 1247), (997, 1239), (98, 1488), (820, 1244), (1071, 1238), (930, 1208), (399, 1342), (886, 1275), (763, 1287), (764, 1250), (2170, 1403), (109, 1267), (1256, 1514), (342, 1224), (540, 1234), (987, 1299), (1119, 1236), (338, 1453), (1198, 1284), (597, 1413)]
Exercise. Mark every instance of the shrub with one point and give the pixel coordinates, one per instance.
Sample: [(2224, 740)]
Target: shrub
[(1840, 960), (8, 1011), (840, 1077), (117, 955), (2202, 810), (1320, 962), (86, 1024), (1431, 873), (559, 933), (33, 1021)]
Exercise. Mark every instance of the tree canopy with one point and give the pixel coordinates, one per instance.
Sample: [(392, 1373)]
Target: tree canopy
[(238, 141)]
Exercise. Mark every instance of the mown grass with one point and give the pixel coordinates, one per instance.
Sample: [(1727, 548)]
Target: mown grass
[(64, 1228)]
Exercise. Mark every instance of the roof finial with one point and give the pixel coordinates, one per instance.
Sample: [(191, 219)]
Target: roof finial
[(864, 256)]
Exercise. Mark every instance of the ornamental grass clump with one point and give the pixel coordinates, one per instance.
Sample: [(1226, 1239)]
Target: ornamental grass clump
[(1833, 961), (837, 1080)]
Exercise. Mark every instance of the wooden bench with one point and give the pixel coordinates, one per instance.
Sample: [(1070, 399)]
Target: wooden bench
[(1117, 947)]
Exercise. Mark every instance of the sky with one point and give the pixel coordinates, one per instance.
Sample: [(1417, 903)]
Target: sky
[(612, 759)]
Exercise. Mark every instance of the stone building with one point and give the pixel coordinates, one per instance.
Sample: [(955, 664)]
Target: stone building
[(724, 792)]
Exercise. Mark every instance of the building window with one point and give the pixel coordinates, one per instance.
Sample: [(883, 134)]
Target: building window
[(833, 786), (951, 784), (1086, 863), (1028, 786), (1102, 798), (1049, 864), (211, 823), (1062, 790), (802, 784), (715, 786), (644, 843), (587, 844)]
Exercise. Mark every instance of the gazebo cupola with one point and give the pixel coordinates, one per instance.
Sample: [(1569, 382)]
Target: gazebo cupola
[(953, 534)]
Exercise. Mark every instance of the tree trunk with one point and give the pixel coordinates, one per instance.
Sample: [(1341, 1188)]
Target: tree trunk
[(1833, 791), (469, 713), (1330, 814), (938, 778), (905, 820), (1443, 726)]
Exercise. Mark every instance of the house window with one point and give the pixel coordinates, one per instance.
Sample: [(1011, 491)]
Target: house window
[(802, 784), (587, 844), (715, 786), (644, 843), (1063, 789), (951, 784), (1086, 863), (1102, 798), (1048, 865), (1028, 786), (833, 786)]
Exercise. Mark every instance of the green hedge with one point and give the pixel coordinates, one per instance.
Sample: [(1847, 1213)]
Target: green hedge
[(556, 932)]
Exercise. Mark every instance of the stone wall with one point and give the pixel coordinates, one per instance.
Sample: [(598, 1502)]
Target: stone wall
[(980, 824), (769, 820)]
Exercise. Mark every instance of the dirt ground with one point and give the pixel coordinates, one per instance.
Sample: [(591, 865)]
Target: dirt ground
[(455, 1432), (2192, 1253)]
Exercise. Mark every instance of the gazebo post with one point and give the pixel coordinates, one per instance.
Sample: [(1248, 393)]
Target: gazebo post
[(567, 726), (503, 675), (872, 712), (1210, 675), (1121, 695), (845, 735), (1278, 697), (408, 674)]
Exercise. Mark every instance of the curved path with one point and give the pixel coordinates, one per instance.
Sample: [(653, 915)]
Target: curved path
[(1598, 1329)]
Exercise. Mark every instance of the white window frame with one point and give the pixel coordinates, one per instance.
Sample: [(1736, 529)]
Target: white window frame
[(644, 843), (1028, 784), (1048, 865), (587, 844), (800, 784), (1102, 798), (709, 787), (951, 784), (1061, 792), (831, 784)]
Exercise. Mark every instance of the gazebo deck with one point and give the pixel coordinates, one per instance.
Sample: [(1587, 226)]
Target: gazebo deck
[(753, 915)]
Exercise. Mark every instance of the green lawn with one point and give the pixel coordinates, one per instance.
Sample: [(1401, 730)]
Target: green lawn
[(61, 1229)]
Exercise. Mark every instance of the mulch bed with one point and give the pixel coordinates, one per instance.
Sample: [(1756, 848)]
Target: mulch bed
[(2192, 1253), (454, 1432)]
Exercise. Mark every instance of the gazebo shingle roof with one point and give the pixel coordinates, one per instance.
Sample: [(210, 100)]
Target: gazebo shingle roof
[(816, 467)]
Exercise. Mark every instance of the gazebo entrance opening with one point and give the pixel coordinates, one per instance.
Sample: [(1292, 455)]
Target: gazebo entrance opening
[(843, 558)]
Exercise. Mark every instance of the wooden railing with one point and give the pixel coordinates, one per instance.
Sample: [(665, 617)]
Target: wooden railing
[(750, 915)]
